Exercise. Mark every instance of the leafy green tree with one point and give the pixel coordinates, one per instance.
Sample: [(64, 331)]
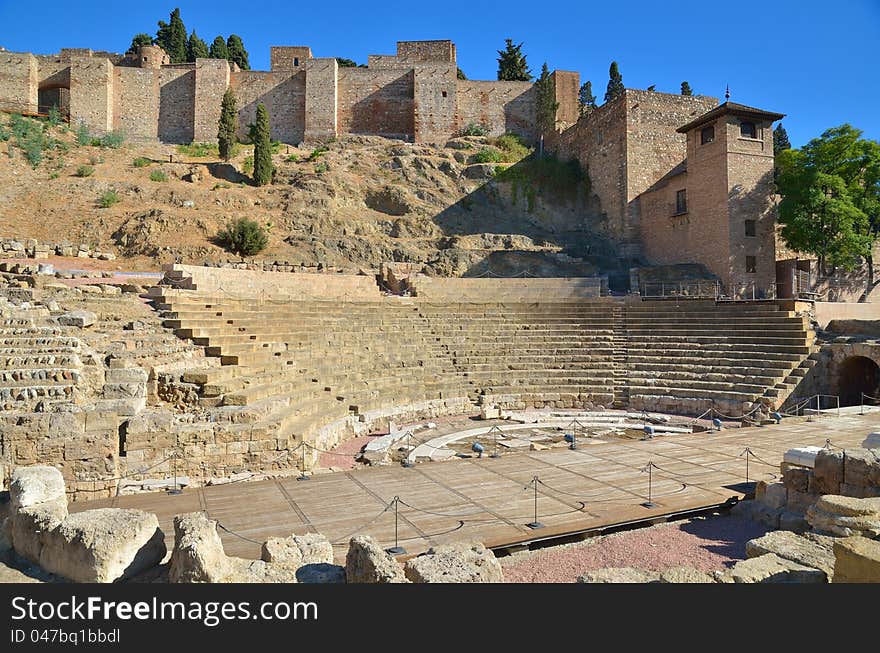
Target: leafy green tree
[(346, 63), (218, 49), (227, 126), (196, 48), (686, 89), (586, 99), (262, 148), (237, 53), (545, 103), (172, 37), (615, 83), (831, 199), (780, 140), (243, 237), (512, 66), (137, 41), (459, 74)]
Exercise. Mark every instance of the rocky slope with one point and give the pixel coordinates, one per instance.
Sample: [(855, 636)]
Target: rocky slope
[(363, 201)]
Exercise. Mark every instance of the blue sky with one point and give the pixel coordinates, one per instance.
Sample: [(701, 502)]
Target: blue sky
[(814, 60)]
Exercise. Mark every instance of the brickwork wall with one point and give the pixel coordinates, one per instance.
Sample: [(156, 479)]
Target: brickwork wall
[(177, 103), (18, 81), (376, 102), (321, 99), (211, 82), (288, 58), (750, 197), (426, 51), (502, 106), (434, 100), (136, 102), (284, 96), (91, 93), (566, 85)]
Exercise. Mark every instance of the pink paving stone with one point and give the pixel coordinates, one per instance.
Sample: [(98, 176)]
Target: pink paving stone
[(707, 544), (342, 457)]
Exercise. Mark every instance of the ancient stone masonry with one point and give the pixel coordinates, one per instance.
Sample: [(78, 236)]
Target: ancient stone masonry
[(414, 95)]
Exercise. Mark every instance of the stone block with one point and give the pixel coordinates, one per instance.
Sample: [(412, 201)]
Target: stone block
[(367, 562), (298, 550), (810, 553), (34, 485), (856, 560), (455, 563), (796, 479), (685, 575), (80, 319), (827, 472), (31, 525), (626, 575), (771, 495), (770, 568), (862, 468), (845, 516)]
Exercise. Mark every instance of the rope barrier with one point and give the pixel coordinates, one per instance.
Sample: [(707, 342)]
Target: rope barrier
[(239, 535)]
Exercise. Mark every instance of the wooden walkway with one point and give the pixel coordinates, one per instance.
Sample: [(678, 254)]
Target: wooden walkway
[(490, 500)]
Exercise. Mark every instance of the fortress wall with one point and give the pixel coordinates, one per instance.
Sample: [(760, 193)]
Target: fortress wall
[(567, 85), (91, 93), (376, 102), (52, 72), (502, 106), (211, 82), (176, 103), (136, 99), (321, 99), (282, 93), (434, 101), (426, 51), (18, 82)]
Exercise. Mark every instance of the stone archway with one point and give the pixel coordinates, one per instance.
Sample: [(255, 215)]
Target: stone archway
[(857, 375)]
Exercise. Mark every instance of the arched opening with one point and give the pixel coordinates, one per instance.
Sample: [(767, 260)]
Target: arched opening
[(54, 96), (858, 374)]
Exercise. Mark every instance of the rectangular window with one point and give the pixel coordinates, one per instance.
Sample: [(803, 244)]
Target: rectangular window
[(748, 129), (750, 227), (751, 264), (681, 202), (707, 135)]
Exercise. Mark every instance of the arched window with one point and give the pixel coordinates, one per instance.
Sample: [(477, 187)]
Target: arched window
[(748, 129), (707, 135), (296, 61)]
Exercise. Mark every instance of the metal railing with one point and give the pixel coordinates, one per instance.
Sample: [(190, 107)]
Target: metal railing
[(810, 406), (686, 289)]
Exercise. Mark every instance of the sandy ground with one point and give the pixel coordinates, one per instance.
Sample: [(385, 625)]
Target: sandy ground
[(707, 544)]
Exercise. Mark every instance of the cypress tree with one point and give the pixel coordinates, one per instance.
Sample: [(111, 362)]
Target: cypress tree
[(545, 103), (228, 125), (512, 65), (137, 41), (218, 49), (586, 99), (172, 37), (262, 148), (780, 140), (236, 52), (615, 83), (686, 89), (196, 48), (459, 74)]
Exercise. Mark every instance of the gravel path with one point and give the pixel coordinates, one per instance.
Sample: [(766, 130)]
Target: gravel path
[(705, 543)]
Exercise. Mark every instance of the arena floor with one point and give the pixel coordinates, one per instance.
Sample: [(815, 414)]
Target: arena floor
[(493, 500)]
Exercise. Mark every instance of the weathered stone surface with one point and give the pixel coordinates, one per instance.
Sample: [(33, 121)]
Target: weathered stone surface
[(771, 495), (790, 546), (794, 521), (35, 484), (827, 472), (856, 560), (298, 550), (685, 575), (845, 516), (770, 568), (455, 563), (862, 468), (30, 527), (103, 545), (320, 573), (198, 555), (796, 479), (79, 318), (619, 575), (367, 562)]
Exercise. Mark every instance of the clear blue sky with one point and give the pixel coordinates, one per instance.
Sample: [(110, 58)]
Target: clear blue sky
[(815, 60)]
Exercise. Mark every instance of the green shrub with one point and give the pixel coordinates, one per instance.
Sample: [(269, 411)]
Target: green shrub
[(275, 146), (54, 118), (247, 167), (475, 129), (30, 137), (85, 171), (243, 237), (321, 168), (293, 158), (113, 140), (95, 160), (54, 175), (488, 155), (141, 162), (317, 152), (220, 185), (200, 149), (158, 175), (108, 199), (512, 147)]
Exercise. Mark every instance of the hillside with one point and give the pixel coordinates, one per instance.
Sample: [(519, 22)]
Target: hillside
[(363, 201)]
